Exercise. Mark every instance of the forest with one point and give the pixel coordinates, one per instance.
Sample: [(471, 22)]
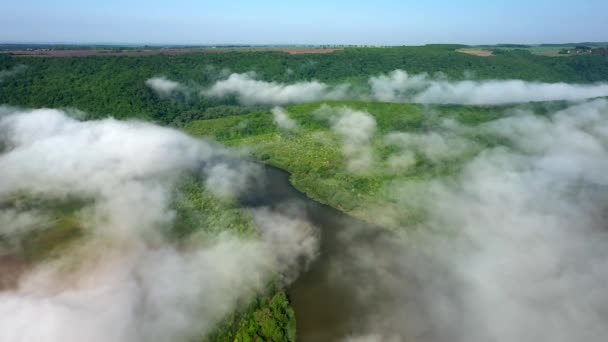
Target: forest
[(107, 85)]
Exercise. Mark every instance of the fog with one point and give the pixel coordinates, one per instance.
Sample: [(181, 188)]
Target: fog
[(355, 130), (164, 87), (511, 248), (283, 121), (448, 141), (126, 279), (249, 90), (400, 86)]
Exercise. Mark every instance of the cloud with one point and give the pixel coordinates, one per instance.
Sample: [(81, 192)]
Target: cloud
[(18, 222), (125, 279), (283, 121), (225, 179), (294, 240), (250, 91), (449, 141), (396, 86), (164, 87), (356, 129), (399, 86), (510, 248)]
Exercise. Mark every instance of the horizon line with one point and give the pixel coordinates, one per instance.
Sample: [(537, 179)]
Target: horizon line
[(278, 44)]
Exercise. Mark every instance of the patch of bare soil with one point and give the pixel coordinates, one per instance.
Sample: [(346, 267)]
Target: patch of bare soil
[(480, 53)]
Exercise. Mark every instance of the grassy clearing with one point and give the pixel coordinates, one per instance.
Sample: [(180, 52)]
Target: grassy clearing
[(477, 52), (314, 158)]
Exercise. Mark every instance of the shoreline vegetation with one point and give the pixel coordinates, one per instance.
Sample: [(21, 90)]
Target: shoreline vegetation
[(313, 158)]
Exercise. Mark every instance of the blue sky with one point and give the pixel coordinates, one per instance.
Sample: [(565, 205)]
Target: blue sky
[(378, 22)]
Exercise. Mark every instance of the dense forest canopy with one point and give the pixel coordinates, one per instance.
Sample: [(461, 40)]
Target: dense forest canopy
[(115, 85)]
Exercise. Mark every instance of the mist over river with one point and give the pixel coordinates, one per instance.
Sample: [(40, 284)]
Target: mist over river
[(328, 297)]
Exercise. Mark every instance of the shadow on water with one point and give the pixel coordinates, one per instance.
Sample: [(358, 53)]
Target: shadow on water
[(327, 297)]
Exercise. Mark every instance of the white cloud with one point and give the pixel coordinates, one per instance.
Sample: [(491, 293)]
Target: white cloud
[(249, 91), (125, 280), (164, 87), (356, 129), (449, 141), (510, 248), (399, 86), (283, 121)]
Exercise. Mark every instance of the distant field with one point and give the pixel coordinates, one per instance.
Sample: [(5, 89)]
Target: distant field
[(150, 52), (540, 50), (488, 51), (549, 50), (476, 52)]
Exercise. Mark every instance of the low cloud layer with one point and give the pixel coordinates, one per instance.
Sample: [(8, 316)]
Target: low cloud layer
[(399, 86), (251, 91), (511, 248), (447, 142), (283, 121), (508, 247), (125, 279), (356, 130), (164, 87)]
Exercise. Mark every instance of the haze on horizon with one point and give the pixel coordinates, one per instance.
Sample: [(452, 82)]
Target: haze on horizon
[(379, 22)]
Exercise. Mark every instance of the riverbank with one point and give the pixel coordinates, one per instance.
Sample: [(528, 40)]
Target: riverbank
[(313, 154)]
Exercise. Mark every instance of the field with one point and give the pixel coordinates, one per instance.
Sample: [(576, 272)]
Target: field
[(160, 51), (546, 50), (476, 52)]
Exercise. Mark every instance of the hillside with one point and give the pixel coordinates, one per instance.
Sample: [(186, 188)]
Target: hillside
[(110, 85)]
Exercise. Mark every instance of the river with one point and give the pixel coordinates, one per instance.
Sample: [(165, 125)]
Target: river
[(335, 296)]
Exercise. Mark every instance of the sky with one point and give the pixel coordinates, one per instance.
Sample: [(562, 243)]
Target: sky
[(377, 22)]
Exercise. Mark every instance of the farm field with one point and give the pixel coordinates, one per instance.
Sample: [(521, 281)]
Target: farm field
[(159, 51), (546, 50)]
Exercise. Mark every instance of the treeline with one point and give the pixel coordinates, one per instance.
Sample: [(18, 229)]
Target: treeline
[(600, 52), (115, 85)]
